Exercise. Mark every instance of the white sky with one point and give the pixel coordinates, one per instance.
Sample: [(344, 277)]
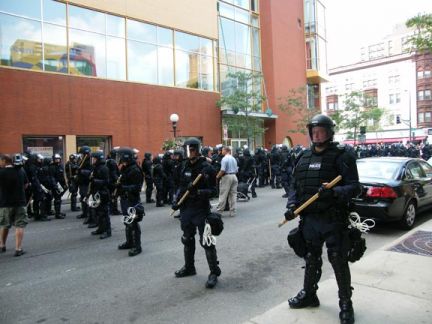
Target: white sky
[(354, 23)]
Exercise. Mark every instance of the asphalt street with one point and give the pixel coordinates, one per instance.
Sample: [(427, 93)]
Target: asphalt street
[(70, 276)]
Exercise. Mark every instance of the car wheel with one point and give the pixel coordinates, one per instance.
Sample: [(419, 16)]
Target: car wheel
[(408, 218)]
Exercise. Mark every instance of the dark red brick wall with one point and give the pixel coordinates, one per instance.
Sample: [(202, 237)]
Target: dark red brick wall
[(133, 114)]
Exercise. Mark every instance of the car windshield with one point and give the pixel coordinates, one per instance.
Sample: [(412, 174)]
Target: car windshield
[(377, 169)]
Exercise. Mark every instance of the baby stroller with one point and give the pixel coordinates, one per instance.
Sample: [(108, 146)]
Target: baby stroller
[(243, 189)]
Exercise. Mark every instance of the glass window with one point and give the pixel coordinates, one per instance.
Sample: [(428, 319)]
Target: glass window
[(391, 99), (116, 58), (226, 10), (164, 36), (86, 19), (115, 26), (227, 57), (254, 5), (87, 53), (427, 94), (244, 61), (426, 168), (428, 117), (96, 143), (206, 46), (165, 66), (55, 48), (257, 63), (45, 145), (20, 42), (142, 32), (255, 42), (254, 21), (29, 8), (205, 73), (54, 12), (420, 95), (242, 15), (227, 34), (186, 69), (243, 39), (242, 3), (421, 118), (419, 74), (187, 42), (142, 62), (427, 73)]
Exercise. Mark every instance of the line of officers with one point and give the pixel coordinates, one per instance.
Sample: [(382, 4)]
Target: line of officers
[(102, 182)]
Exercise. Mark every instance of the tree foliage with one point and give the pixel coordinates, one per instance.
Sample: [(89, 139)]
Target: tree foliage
[(357, 112), (421, 41), (295, 105), (243, 96)]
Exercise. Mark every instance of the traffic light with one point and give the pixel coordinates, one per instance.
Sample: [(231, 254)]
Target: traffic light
[(362, 130), (398, 121)]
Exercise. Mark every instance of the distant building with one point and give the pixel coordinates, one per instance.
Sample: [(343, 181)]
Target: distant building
[(395, 79)]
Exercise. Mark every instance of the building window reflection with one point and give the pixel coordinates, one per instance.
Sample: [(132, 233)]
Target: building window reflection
[(36, 35)]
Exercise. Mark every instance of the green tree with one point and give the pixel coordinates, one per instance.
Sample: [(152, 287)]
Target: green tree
[(295, 105), (243, 96), (421, 41), (359, 110)]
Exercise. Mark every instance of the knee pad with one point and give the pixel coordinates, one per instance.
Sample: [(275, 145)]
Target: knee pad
[(335, 257), (188, 241)]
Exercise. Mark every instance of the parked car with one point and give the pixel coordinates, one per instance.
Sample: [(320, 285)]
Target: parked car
[(394, 189)]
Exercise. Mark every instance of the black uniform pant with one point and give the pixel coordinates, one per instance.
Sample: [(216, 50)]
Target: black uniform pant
[(149, 189), (316, 230), (133, 230)]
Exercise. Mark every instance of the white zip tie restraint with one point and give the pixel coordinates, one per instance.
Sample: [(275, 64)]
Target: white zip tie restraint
[(355, 222), (208, 238)]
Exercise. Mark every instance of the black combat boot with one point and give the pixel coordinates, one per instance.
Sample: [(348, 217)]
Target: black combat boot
[(307, 296), (57, 207), (189, 255), (74, 206), (213, 263), (107, 228), (136, 240), (128, 244), (343, 279)]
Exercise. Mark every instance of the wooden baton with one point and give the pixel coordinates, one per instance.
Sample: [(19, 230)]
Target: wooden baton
[(313, 198), (187, 193)]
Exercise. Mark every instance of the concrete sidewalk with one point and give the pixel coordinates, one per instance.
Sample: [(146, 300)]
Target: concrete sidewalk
[(389, 287)]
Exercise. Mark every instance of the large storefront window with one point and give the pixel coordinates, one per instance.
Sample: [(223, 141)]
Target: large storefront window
[(45, 145)]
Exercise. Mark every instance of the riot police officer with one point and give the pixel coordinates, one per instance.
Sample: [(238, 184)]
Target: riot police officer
[(159, 180), (57, 173), (247, 171), (99, 190), (275, 165), (130, 185), (147, 166), (286, 169), (48, 185), (194, 210), (71, 169), (113, 178), (83, 180), (38, 193), (326, 219)]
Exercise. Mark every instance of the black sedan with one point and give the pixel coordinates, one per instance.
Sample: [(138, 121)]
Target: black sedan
[(394, 189)]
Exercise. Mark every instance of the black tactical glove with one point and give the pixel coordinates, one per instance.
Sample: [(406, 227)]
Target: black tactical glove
[(175, 207), (191, 188), (289, 214), (325, 193)]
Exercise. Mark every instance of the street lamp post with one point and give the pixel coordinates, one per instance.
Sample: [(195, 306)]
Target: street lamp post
[(174, 118)]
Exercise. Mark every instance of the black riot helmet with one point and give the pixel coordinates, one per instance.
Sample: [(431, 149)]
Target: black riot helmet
[(84, 149), (125, 155), (322, 121), (113, 152), (147, 155), (192, 143), (72, 157), (99, 156)]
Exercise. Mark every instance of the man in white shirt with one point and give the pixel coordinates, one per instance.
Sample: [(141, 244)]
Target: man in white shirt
[(227, 182)]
